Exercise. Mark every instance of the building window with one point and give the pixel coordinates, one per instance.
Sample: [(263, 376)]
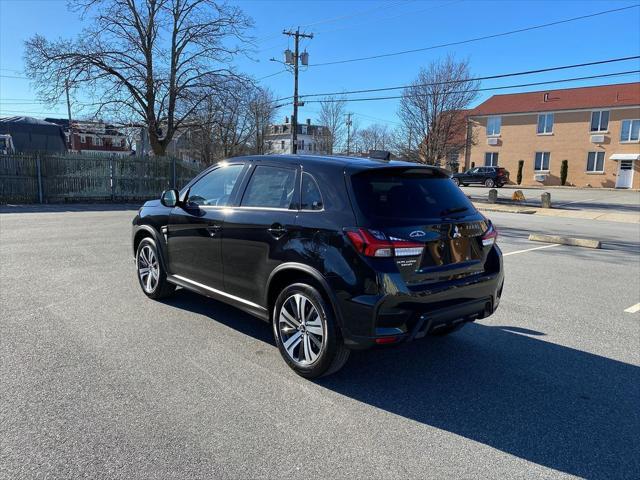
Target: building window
[(301, 144), (600, 121), (545, 123), (282, 145), (98, 141), (630, 131), (491, 159), (541, 163), (304, 129), (493, 126), (83, 139), (595, 162)]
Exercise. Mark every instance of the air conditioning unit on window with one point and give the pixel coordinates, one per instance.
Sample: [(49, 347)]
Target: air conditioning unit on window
[(492, 141), (597, 138), (540, 177)]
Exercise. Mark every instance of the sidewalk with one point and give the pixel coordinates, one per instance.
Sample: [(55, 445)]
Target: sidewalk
[(559, 212)]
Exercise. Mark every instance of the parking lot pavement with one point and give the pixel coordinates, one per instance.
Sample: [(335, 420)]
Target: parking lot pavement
[(621, 201), (100, 382)]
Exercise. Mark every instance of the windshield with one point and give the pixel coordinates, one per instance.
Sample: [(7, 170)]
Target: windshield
[(412, 194)]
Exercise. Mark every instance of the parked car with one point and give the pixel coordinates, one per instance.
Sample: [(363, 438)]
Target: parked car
[(336, 253), (487, 176)]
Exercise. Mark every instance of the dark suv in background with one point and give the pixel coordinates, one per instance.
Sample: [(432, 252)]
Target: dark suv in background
[(336, 253), (487, 176)]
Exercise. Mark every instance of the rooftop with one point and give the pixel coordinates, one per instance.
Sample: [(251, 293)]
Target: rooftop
[(602, 96)]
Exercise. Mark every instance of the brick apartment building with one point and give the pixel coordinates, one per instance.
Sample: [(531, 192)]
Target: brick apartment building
[(596, 129), (98, 138)]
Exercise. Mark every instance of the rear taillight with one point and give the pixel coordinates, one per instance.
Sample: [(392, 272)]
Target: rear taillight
[(490, 236), (374, 243)]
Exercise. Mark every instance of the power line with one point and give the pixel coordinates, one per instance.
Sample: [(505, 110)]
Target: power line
[(489, 77), (476, 39), (357, 14), (367, 99)]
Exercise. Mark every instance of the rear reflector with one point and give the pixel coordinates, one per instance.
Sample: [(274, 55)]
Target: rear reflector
[(490, 236), (374, 243), (386, 340)]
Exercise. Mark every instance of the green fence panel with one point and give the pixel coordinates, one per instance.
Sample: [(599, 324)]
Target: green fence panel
[(18, 179)]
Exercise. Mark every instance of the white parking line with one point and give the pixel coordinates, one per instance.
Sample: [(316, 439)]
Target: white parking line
[(634, 308), (530, 249)]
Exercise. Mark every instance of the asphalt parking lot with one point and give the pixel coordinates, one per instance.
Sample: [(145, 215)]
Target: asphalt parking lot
[(97, 381)]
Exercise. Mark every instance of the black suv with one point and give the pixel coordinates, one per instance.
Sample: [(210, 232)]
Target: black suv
[(336, 253), (487, 176)]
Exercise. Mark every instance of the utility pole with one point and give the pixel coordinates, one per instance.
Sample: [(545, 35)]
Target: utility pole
[(296, 60), (71, 140), (349, 133)]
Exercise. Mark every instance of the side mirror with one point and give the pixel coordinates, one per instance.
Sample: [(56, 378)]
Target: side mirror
[(169, 198)]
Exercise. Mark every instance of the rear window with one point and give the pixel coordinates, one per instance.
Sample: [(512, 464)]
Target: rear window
[(411, 194)]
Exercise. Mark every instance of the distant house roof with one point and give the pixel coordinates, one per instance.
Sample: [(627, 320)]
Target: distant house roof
[(33, 135), (603, 96)]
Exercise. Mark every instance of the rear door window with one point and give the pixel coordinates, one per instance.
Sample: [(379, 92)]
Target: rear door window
[(270, 187), (398, 195)]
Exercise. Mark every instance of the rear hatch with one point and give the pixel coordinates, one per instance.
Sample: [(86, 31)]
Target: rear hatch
[(418, 218)]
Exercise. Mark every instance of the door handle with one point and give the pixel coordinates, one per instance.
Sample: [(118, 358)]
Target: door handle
[(213, 229), (277, 230)]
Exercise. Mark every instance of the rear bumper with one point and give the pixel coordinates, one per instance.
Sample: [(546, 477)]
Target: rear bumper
[(403, 314)]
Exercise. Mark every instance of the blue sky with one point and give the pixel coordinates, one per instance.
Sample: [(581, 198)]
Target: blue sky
[(349, 29)]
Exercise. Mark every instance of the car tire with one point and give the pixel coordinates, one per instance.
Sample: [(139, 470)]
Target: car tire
[(150, 271), (465, 184), (306, 332), (489, 183), (442, 331), (456, 181)]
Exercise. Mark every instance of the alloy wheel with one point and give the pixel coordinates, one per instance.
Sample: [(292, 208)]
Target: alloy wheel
[(301, 329), (148, 269)]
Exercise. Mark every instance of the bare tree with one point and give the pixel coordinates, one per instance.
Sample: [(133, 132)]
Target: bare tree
[(152, 58), (229, 124), (432, 111), (332, 116), (374, 137)]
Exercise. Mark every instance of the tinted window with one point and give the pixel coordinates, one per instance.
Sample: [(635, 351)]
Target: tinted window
[(215, 187), (311, 198), (270, 187), (408, 194)]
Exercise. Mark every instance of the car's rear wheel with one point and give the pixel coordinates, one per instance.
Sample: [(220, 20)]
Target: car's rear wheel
[(456, 181), (489, 183), (306, 332), (151, 274)]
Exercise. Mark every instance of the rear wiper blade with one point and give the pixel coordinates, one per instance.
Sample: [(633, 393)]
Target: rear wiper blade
[(449, 211)]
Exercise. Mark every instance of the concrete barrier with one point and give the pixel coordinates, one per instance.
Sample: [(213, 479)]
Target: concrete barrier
[(576, 242)]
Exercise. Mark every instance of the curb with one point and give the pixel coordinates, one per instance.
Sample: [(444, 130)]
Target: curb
[(575, 242), (526, 211)]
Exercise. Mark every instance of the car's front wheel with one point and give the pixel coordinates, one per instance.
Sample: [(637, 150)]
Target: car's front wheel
[(306, 332), (151, 274)]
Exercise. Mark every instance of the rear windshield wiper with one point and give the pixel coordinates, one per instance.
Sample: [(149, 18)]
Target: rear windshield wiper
[(449, 211)]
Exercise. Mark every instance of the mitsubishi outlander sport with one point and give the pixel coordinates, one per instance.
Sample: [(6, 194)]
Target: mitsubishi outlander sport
[(336, 253)]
